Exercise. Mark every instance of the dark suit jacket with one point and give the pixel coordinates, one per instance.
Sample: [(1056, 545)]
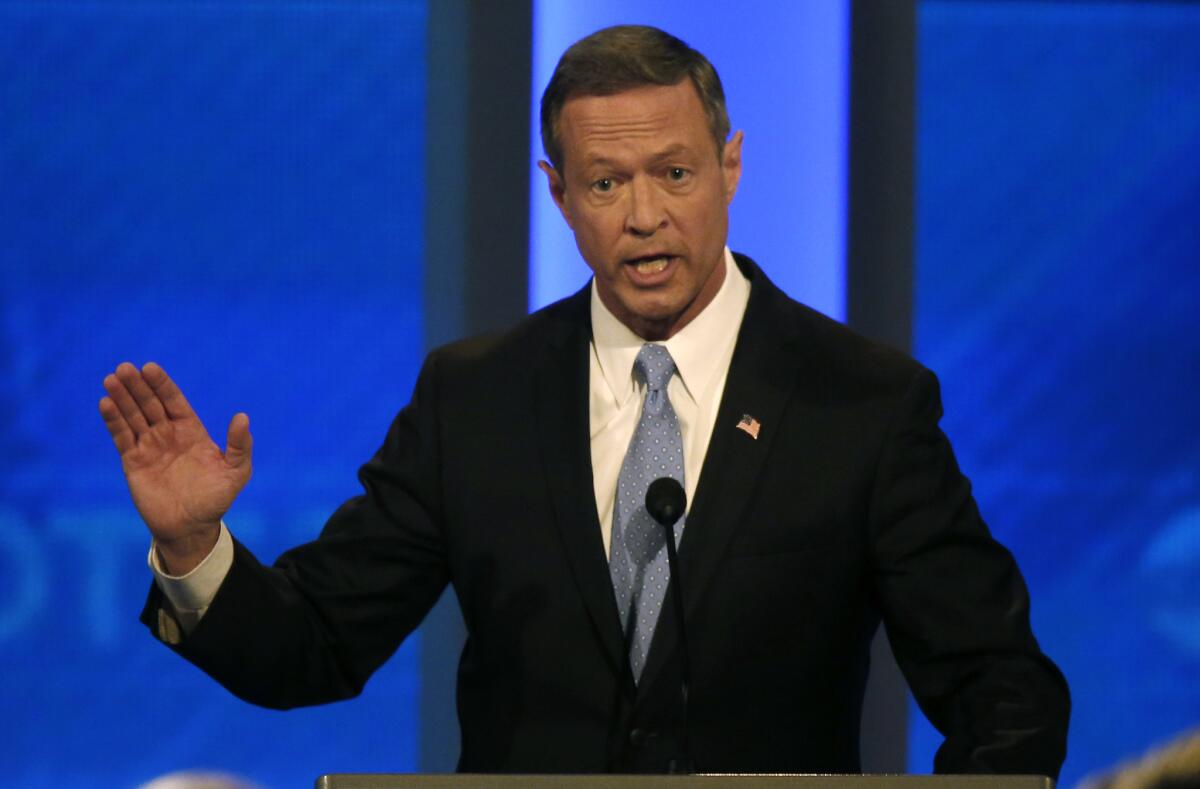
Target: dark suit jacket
[(848, 507)]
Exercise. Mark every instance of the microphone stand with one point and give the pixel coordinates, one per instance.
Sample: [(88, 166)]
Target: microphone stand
[(680, 765), (666, 501)]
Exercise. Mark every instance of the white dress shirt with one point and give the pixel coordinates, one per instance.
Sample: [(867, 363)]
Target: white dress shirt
[(702, 351)]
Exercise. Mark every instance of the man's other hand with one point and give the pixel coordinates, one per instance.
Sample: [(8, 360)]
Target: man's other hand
[(181, 482)]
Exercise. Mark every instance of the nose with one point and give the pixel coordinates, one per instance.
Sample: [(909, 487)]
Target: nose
[(646, 212)]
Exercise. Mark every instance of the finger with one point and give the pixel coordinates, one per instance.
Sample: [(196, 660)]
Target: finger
[(141, 393), (118, 428), (151, 407), (124, 400), (239, 444), (173, 401)]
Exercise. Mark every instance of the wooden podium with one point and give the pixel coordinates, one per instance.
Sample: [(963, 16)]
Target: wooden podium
[(468, 781)]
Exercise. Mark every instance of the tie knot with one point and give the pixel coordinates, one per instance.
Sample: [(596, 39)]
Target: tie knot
[(655, 365)]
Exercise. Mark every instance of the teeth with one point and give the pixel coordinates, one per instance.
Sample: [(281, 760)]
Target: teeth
[(653, 266)]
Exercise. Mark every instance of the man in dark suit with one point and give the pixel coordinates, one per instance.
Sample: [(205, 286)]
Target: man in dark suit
[(823, 497)]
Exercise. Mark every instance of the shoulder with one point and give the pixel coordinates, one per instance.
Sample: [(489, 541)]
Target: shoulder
[(519, 349), (834, 357)]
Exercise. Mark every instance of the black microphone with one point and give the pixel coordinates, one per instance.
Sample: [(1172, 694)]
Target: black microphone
[(666, 502)]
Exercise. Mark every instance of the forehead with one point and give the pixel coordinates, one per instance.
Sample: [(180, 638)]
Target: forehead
[(653, 116)]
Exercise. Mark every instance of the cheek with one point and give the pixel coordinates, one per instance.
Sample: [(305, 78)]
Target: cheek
[(597, 229), (715, 218), (592, 246)]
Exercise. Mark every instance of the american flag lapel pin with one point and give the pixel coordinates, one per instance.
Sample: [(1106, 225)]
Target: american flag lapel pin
[(749, 425)]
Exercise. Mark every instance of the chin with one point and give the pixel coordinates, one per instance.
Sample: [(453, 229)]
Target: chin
[(655, 312), (641, 309)]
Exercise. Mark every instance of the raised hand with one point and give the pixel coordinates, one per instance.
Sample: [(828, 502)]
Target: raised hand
[(180, 480)]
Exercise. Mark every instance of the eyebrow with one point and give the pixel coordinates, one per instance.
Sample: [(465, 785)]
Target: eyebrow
[(670, 152)]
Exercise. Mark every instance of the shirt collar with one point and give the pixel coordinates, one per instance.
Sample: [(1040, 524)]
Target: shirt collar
[(616, 346)]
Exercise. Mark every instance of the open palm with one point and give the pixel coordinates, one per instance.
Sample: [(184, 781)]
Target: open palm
[(180, 480)]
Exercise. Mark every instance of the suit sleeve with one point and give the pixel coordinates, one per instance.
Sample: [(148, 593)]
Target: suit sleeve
[(956, 607), (313, 627)]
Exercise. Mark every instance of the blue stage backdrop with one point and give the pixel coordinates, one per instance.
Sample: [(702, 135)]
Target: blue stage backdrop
[(1058, 284), (234, 190)]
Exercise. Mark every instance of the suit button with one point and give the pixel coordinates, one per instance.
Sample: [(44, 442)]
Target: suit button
[(638, 737)]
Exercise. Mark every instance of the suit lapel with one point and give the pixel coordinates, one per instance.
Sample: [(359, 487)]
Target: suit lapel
[(562, 413), (762, 375)]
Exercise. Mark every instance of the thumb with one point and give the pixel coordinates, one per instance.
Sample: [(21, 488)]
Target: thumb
[(239, 443)]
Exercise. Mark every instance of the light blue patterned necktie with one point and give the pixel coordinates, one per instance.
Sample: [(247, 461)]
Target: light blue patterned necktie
[(638, 558)]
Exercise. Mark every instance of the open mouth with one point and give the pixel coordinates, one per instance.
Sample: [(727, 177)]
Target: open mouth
[(650, 264)]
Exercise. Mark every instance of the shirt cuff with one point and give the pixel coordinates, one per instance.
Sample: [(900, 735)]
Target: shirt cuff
[(192, 593)]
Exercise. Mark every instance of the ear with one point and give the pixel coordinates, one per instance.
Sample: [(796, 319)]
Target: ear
[(558, 190), (731, 165)]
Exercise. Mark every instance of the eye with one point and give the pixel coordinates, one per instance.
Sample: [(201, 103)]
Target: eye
[(603, 185), (677, 173)]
